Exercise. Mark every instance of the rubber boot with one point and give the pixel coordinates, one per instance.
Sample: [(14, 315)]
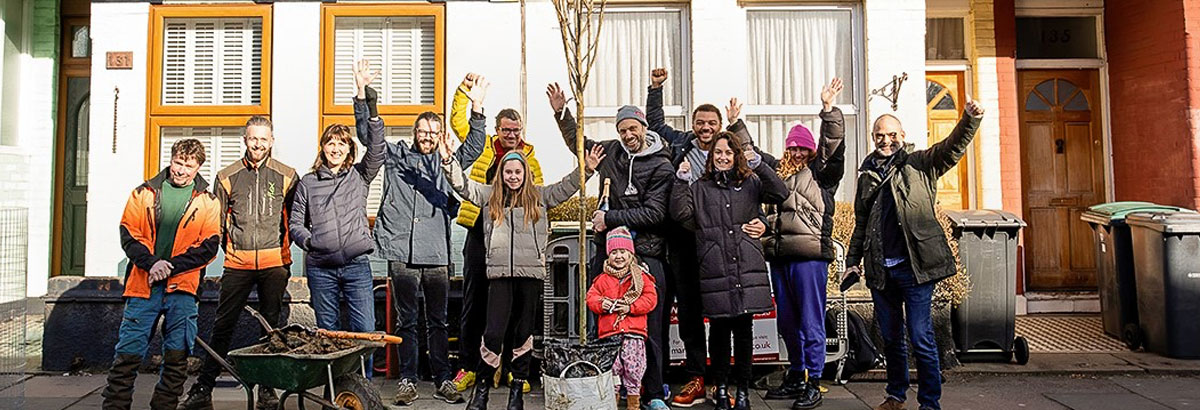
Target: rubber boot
[(721, 398), (118, 395), (479, 398), (170, 381), (791, 388), (742, 401), (516, 393), (811, 397)]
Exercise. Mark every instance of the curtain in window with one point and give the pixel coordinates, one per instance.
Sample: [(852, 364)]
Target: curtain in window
[(794, 53)]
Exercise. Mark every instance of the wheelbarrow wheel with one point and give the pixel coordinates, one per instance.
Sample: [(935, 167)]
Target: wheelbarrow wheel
[(355, 392)]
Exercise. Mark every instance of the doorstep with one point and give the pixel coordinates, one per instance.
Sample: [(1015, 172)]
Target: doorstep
[(1060, 302)]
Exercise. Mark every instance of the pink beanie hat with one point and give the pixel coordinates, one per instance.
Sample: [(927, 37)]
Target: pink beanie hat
[(620, 238), (801, 137)]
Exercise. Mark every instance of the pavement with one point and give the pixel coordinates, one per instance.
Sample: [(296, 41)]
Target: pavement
[(1091, 381)]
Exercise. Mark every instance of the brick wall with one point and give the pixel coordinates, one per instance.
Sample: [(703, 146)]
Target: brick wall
[(1153, 141), (1192, 46), (1010, 126)]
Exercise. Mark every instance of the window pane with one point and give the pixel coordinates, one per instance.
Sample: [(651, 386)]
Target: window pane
[(81, 43), (944, 39), (631, 44), (946, 103), (769, 132), (1056, 37), (794, 53), (1046, 89), (1065, 91), (932, 90), (222, 146), (1035, 103), (1079, 103), (212, 61), (402, 48)]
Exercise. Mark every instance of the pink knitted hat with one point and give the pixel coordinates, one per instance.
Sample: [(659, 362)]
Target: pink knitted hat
[(620, 238), (801, 137)]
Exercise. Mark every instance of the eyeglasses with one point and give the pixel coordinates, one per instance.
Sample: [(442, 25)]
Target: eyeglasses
[(510, 131), (425, 133)]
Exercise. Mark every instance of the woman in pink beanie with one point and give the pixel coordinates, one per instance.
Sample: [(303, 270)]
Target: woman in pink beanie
[(623, 296), (800, 248)]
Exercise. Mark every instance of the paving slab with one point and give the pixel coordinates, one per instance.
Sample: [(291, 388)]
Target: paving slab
[(1056, 363), (1160, 364), (46, 387), (1105, 401), (1174, 392)]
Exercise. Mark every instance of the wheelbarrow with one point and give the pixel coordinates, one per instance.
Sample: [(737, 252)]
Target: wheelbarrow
[(343, 373)]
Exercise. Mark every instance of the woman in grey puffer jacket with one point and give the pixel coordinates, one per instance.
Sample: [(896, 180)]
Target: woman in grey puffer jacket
[(516, 229), (329, 216), (800, 247)]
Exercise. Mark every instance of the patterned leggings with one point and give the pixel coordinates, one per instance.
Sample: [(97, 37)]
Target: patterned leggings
[(630, 365)]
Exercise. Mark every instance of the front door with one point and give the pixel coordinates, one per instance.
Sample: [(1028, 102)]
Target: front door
[(1062, 172), (944, 101), (71, 177)]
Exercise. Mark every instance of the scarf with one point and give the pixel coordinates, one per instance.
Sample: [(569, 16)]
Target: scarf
[(634, 271)]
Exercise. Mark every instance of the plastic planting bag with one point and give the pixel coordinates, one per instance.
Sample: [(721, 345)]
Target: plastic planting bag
[(579, 377)]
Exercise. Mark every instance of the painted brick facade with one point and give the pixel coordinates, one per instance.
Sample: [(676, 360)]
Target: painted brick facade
[(1154, 80)]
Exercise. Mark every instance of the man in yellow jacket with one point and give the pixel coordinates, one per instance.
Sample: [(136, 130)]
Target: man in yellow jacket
[(509, 136), (170, 231)]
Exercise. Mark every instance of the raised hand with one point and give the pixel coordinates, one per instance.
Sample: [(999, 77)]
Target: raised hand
[(363, 77), (557, 98), (733, 110), (974, 109), (469, 81), (593, 157), (829, 93), (478, 92), (657, 77), (444, 147)]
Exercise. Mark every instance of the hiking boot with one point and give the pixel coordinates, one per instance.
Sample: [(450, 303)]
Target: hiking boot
[(721, 398), (742, 401), (479, 397), (691, 394), (406, 393), (515, 393), (464, 380), (199, 397), (791, 388), (267, 400), (890, 404), (448, 393), (810, 398)]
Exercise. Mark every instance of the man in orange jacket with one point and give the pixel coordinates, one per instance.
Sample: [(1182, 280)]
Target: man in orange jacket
[(170, 231)]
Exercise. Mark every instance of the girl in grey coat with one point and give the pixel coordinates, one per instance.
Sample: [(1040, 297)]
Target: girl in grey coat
[(516, 229)]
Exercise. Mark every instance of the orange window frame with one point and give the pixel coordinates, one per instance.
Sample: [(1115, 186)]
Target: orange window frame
[(158, 15), (156, 124), (329, 12)]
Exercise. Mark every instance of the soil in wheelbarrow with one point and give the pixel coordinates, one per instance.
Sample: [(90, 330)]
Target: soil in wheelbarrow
[(298, 341)]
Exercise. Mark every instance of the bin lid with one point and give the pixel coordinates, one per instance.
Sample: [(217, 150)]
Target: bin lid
[(1106, 213), (1167, 222), (984, 218)]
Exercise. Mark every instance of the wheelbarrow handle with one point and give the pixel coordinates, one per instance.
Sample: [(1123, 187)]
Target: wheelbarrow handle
[(375, 337)]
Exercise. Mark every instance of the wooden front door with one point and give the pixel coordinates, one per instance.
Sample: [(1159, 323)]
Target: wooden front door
[(71, 157), (1062, 173), (944, 100)]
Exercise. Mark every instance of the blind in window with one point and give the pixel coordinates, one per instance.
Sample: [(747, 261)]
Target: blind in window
[(402, 48), (212, 61), (793, 53), (222, 146), (375, 192)]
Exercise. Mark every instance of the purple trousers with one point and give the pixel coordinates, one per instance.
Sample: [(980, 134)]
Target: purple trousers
[(800, 301)]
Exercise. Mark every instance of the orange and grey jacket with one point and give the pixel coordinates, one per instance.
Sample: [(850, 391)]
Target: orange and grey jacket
[(196, 239), (255, 202)]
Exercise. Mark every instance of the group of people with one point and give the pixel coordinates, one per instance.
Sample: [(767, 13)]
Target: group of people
[(692, 219)]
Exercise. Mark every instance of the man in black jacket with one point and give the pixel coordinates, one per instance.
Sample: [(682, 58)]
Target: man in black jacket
[(639, 169)]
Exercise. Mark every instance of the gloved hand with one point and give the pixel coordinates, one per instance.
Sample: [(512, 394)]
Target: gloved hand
[(372, 102)]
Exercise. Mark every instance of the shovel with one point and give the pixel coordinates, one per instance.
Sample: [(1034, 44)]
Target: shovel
[(333, 334)]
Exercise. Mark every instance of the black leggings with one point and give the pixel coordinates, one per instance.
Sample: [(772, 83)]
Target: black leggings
[(511, 316), (742, 330)]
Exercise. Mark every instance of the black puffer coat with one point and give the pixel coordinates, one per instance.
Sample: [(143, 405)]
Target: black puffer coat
[(733, 271)]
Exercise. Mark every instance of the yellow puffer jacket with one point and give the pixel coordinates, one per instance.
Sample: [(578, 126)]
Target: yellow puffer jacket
[(468, 213)]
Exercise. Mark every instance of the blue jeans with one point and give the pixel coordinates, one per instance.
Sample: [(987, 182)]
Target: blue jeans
[(179, 311), (905, 304), (351, 283), (800, 305)]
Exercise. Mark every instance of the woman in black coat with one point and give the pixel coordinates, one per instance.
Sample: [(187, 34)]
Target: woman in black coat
[(733, 273)]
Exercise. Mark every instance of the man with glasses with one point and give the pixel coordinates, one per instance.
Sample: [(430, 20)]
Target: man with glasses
[(412, 231), (899, 244), (509, 137)]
